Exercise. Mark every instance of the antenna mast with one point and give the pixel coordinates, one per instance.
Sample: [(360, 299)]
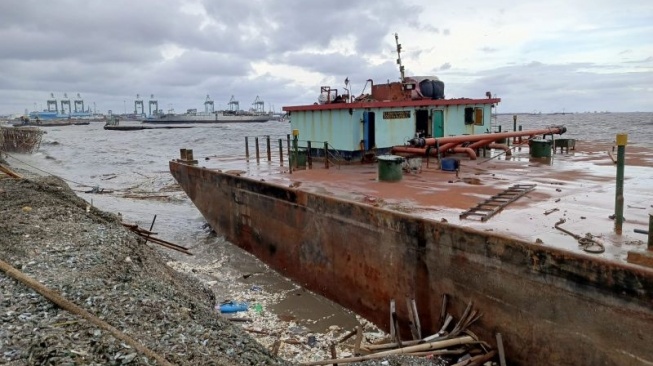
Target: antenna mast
[(401, 67)]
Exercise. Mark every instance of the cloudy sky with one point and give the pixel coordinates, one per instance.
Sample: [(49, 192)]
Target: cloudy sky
[(548, 56)]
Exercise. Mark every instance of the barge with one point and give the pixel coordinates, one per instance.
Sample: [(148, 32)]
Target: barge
[(336, 222)]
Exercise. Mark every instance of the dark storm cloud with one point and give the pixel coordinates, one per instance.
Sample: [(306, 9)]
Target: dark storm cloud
[(111, 50)]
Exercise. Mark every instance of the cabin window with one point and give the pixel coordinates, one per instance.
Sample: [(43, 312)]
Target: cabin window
[(469, 115), (478, 116)]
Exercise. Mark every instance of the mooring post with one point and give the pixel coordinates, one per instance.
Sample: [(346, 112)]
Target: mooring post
[(326, 154), (288, 139), (309, 159), (246, 149), (622, 140), (267, 143), (258, 153), (281, 151)]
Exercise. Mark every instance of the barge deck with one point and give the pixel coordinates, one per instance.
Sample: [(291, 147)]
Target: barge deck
[(361, 242)]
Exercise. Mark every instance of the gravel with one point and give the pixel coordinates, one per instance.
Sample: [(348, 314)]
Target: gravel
[(87, 257)]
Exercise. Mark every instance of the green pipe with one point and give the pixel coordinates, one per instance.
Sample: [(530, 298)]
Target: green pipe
[(622, 139)]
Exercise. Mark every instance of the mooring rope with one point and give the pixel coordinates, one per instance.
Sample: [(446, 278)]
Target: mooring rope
[(46, 172), (587, 242)]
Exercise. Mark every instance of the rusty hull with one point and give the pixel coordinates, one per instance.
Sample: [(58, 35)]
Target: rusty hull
[(552, 306)]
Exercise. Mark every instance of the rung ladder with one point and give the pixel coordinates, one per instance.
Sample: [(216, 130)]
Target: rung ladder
[(496, 203)]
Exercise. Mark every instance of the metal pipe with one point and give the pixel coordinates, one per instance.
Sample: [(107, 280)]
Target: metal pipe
[(494, 136), (479, 144), (281, 151), (503, 147), (467, 150), (622, 139)]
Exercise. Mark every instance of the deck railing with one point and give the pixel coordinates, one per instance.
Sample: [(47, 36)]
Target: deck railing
[(294, 152)]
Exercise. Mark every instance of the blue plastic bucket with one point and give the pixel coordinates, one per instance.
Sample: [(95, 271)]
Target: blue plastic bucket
[(449, 164)]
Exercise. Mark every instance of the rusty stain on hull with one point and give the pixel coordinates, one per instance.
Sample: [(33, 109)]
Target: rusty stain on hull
[(552, 306)]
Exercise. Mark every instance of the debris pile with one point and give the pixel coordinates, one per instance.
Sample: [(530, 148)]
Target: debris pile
[(24, 140)]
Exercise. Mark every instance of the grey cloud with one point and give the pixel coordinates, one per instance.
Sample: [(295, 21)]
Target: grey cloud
[(545, 87)]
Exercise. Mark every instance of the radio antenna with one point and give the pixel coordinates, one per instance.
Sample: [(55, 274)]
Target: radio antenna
[(401, 67)]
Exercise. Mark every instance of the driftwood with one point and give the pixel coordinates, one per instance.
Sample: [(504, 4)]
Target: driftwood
[(502, 354), (10, 172), (147, 235), (401, 351), (476, 360)]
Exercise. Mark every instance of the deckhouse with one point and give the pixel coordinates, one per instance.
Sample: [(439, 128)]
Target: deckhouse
[(390, 115)]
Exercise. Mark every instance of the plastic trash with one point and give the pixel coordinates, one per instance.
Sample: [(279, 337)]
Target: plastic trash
[(258, 308), (233, 307)]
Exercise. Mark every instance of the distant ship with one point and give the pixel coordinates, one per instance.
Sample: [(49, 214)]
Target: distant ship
[(233, 114), (54, 113)]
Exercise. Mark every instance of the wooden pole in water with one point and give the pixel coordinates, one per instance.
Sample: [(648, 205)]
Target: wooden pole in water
[(269, 150), (281, 151), (246, 148), (258, 153), (622, 140)]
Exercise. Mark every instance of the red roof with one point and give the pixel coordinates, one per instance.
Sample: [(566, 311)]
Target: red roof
[(392, 104)]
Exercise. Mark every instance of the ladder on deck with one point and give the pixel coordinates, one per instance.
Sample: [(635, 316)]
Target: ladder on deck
[(493, 205)]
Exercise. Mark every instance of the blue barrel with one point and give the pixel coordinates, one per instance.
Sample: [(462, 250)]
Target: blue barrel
[(390, 168), (449, 164)]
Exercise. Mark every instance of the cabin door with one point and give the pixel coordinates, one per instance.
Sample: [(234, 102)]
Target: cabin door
[(422, 125), (438, 123), (369, 134)]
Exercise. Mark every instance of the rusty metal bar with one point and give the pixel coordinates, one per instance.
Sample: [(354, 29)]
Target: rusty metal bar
[(281, 151), (309, 158)]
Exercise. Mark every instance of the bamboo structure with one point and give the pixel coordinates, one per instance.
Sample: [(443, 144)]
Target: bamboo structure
[(24, 140)]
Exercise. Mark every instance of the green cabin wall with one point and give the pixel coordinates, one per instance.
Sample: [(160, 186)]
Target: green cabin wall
[(344, 129)]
